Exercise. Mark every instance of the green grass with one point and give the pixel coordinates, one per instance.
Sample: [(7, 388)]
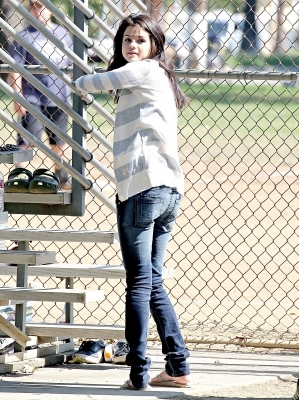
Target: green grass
[(243, 109), (236, 118), (275, 59), (220, 112)]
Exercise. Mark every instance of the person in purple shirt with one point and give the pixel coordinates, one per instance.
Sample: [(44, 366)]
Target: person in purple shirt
[(52, 82)]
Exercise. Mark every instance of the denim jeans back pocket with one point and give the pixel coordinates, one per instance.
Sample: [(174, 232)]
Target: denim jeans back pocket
[(170, 218), (147, 209)]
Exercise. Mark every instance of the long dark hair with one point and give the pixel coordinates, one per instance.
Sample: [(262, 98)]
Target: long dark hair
[(157, 37)]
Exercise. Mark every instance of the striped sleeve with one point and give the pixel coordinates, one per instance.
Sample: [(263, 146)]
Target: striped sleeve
[(128, 76)]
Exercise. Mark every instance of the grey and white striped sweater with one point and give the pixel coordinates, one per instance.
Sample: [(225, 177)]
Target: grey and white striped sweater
[(145, 133)]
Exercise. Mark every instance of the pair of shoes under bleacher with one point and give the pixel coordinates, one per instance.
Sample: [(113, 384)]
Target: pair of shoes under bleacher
[(41, 181), (97, 351)]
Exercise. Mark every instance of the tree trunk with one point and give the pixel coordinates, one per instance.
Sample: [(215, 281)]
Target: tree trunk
[(198, 29), (280, 20), (249, 41)]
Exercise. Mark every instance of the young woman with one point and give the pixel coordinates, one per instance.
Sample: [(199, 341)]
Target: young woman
[(149, 188)]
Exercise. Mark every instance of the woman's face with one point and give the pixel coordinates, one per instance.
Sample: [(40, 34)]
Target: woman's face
[(136, 45)]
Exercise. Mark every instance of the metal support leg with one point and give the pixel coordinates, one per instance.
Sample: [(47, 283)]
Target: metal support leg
[(22, 280), (69, 307)]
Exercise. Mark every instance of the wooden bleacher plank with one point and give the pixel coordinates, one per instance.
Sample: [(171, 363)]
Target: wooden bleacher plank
[(76, 330), (31, 257), (78, 270), (167, 273), (36, 353), (57, 295), (82, 271), (46, 198), (3, 217), (13, 332), (13, 157), (58, 235)]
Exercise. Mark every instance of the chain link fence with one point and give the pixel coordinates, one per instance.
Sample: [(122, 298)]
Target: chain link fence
[(235, 244)]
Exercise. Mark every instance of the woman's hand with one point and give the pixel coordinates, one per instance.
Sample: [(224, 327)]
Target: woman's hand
[(83, 96)]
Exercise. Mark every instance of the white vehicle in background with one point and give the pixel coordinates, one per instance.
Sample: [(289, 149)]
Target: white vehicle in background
[(225, 30), (225, 35), (204, 39)]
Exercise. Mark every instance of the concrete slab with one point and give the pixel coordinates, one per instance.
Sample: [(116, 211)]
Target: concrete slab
[(211, 372)]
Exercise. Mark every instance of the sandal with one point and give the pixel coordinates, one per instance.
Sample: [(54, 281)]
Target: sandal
[(18, 181), (129, 385), (9, 147), (168, 382), (44, 181)]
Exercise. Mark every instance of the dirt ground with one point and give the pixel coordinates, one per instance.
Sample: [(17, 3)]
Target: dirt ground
[(282, 389)]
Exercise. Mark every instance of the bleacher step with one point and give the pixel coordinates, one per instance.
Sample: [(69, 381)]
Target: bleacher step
[(32, 355), (57, 295), (31, 257), (3, 218), (13, 331), (58, 235), (76, 330), (35, 198), (13, 157), (79, 270)]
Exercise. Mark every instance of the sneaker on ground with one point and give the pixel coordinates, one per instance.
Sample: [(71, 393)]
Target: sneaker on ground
[(108, 353), (90, 352), (6, 346), (120, 351)]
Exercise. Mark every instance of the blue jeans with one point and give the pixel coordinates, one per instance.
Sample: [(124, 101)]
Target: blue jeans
[(144, 225)]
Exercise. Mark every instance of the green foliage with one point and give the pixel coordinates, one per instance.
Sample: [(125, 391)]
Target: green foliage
[(234, 111), (228, 5), (242, 110), (285, 60)]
